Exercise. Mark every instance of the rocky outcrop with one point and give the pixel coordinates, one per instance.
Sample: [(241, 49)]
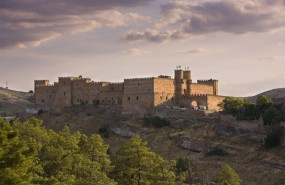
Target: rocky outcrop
[(193, 144), (249, 134), (125, 130)]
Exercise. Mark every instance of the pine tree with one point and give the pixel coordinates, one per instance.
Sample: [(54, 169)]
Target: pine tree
[(135, 164), (228, 176), (16, 157)]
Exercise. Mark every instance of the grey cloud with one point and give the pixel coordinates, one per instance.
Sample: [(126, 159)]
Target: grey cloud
[(149, 35), (194, 18), (29, 22)]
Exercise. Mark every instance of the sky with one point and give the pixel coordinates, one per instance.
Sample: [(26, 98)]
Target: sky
[(239, 42)]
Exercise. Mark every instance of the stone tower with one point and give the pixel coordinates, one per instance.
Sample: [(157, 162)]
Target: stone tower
[(178, 81)]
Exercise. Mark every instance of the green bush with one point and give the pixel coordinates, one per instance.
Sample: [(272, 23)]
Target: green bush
[(273, 139), (104, 131), (96, 102), (156, 122), (182, 165), (40, 112)]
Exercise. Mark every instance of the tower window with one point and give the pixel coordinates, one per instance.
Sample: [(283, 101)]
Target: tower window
[(43, 101), (63, 93), (129, 98), (137, 98)]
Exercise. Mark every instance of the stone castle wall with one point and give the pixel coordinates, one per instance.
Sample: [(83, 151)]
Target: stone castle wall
[(163, 91), (140, 95), (196, 88), (213, 101)]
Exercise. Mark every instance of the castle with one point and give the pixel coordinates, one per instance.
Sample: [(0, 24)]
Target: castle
[(137, 94)]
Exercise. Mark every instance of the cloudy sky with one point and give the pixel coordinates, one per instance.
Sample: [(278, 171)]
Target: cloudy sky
[(239, 42)]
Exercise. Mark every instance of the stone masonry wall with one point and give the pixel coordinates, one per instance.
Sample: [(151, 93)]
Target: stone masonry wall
[(138, 95), (213, 102), (201, 89), (163, 91)]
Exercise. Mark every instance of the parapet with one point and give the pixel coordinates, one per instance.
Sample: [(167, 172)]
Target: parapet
[(41, 83), (206, 81), (135, 79), (164, 76)]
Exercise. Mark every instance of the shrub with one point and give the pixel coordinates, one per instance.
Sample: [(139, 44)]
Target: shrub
[(96, 102), (40, 112), (104, 131), (156, 122), (182, 165), (31, 91), (273, 139)]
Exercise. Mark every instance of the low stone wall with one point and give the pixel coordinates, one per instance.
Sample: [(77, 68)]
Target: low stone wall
[(177, 113)]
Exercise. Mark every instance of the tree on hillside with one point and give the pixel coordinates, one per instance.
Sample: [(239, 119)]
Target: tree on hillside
[(231, 105), (76, 159), (135, 164), (16, 157), (187, 173), (227, 176), (262, 103)]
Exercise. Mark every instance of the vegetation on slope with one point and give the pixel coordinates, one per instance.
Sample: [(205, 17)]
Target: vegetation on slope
[(31, 154)]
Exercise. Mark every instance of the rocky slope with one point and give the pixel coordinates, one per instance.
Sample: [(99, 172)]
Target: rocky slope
[(13, 102)]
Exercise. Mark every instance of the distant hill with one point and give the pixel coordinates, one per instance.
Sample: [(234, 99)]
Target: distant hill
[(272, 94), (13, 102)]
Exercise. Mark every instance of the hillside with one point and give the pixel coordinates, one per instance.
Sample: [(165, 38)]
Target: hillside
[(274, 93), (184, 138), (13, 102)]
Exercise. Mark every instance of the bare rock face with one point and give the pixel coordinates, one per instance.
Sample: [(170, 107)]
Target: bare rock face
[(125, 130), (194, 144)]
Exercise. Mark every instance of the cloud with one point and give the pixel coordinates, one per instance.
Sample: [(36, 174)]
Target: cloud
[(194, 51), (30, 22), (191, 18), (149, 35), (136, 52), (273, 58)]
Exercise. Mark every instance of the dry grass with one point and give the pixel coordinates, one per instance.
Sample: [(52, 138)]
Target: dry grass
[(13, 102)]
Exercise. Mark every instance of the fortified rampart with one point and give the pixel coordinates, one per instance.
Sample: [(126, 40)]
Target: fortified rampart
[(140, 95)]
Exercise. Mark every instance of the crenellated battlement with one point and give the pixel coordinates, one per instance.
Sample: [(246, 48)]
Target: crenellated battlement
[(134, 79), (199, 95)]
